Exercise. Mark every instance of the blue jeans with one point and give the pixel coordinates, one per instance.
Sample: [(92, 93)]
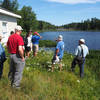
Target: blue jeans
[(81, 65), (1, 69)]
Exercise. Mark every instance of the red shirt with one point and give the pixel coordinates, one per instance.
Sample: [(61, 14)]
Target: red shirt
[(14, 41)]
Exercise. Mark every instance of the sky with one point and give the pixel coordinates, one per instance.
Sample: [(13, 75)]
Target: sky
[(60, 12)]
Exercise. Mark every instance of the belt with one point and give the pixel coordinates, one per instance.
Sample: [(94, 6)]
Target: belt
[(13, 53)]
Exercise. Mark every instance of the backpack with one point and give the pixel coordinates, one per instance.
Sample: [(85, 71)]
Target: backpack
[(25, 41), (79, 59)]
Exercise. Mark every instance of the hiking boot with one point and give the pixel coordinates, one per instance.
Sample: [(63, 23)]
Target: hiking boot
[(15, 87)]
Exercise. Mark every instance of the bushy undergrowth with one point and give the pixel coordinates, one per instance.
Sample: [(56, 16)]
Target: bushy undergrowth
[(47, 43), (39, 83)]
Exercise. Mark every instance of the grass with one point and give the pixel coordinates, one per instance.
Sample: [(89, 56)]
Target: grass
[(39, 83)]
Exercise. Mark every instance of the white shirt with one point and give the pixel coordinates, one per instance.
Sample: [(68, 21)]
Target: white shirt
[(29, 42), (78, 50)]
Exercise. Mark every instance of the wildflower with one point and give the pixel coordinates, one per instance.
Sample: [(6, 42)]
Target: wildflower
[(27, 68), (78, 81), (38, 64), (49, 70), (71, 56), (48, 62), (49, 66), (63, 64)]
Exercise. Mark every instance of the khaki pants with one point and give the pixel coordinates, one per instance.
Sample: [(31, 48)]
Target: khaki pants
[(16, 69), (35, 47)]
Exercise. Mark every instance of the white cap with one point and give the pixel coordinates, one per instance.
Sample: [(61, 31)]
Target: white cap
[(18, 28), (82, 40), (60, 37)]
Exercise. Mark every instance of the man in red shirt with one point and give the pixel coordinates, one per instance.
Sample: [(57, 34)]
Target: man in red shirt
[(15, 47)]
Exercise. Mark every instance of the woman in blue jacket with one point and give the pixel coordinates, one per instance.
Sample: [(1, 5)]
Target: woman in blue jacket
[(2, 57)]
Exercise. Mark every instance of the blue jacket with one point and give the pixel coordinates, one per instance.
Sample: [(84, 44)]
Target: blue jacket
[(2, 53), (35, 39)]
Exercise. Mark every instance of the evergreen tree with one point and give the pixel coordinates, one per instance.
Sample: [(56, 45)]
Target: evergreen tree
[(14, 6), (6, 4), (11, 5)]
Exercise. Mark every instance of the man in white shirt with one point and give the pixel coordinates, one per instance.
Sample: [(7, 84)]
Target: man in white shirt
[(80, 54)]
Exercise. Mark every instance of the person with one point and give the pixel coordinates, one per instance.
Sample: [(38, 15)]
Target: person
[(35, 41), (2, 57), (80, 54), (58, 55), (15, 45), (28, 43), (12, 32)]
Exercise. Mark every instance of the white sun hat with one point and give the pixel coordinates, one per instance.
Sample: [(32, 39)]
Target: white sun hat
[(18, 27), (82, 40), (60, 37)]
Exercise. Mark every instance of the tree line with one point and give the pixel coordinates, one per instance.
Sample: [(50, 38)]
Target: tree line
[(89, 24), (29, 19)]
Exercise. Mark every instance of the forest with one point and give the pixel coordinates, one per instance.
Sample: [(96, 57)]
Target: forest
[(87, 25)]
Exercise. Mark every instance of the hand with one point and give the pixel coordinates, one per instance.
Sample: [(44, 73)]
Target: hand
[(56, 56), (40, 36), (23, 59)]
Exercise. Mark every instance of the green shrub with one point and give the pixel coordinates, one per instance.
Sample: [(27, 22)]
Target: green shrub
[(47, 43)]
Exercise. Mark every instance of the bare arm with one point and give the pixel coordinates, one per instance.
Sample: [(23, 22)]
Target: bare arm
[(57, 50), (21, 52), (39, 35)]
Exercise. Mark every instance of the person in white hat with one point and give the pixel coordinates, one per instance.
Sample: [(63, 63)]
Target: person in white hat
[(80, 54), (58, 55), (15, 45), (18, 27)]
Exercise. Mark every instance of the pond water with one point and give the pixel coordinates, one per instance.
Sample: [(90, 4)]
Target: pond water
[(71, 39)]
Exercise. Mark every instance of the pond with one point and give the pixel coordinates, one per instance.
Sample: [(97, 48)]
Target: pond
[(71, 38)]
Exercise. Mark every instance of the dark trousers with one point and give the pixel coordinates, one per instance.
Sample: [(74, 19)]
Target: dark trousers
[(81, 65), (1, 69)]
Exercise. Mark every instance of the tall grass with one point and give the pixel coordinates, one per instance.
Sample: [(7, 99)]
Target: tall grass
[(39, 83)]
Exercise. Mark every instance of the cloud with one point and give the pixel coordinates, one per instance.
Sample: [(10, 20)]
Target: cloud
[(74, 1)]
